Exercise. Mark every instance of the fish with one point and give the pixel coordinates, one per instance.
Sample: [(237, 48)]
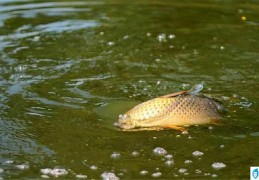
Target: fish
[(173, 111)]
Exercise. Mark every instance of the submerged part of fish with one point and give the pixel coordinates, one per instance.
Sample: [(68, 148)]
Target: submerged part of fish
[(172, 111)]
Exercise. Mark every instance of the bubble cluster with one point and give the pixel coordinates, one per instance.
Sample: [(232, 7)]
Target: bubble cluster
[(159, 151), (109, 176), (187, 161), (57, 171), (161, 37), (115, 155)]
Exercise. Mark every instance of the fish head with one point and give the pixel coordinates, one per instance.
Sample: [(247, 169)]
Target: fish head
[(125, 122)]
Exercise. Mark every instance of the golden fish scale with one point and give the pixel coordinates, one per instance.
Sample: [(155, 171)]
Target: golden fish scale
[(152, 108), (180, 110)]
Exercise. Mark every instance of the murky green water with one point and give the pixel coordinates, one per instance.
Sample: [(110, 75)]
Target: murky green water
[(69, 68)]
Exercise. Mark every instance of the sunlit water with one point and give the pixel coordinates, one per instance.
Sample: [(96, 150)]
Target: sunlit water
[(69, 68)]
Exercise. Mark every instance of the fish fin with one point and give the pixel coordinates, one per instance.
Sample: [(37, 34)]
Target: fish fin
[(174, 94), (178, 128), (196, 89), (143, 129)]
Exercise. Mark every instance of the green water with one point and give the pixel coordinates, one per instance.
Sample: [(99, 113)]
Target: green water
[(69, 68)]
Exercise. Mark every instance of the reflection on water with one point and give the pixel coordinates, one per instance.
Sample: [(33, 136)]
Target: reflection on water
[(68, 69)]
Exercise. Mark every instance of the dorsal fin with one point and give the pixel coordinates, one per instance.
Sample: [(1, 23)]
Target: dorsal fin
[(174, 94), (195, 89)]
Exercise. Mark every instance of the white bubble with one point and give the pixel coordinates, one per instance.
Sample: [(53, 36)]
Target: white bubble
[(135, 153), (58, 171), (125, 37), (23, 166), (188, 161), (171, 36), (115, 155), (109, 176), (93, 167), (218, 165), (222, 146), (46, 171), (44, 176), (159, 151), (214, 175), (222, 47), (178, 136), (157, 60), (157, 174), (36, 38), (185, 132), (148, 34), (161, 37), (182, 170), (169, 156), (110, 43), (197, 153), (197, 171), (81, 176), (210, 127), (143, 173), (169, 162)]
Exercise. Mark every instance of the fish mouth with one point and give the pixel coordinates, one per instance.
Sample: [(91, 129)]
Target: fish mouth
[(124, 122)]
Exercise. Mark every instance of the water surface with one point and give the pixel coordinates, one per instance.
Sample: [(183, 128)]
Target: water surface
[(69, 68)]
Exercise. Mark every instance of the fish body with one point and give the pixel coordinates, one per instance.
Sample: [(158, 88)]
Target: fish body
[(172, 111)]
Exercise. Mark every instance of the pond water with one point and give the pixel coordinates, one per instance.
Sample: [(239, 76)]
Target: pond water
[(69, 68)]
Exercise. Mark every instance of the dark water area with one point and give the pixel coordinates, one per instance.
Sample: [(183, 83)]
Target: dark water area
[(69, 68)]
